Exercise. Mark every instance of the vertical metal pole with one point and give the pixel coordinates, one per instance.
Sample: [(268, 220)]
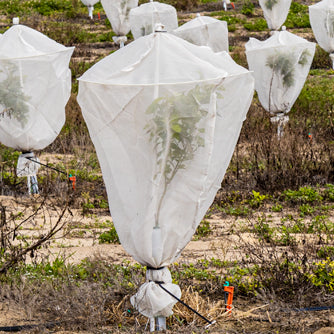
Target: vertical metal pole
[(29, 185), (157, 324), (160, 323), (90, 12), (152, 324)]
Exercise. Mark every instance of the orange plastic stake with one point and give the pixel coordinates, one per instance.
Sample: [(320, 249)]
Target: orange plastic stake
[(310, 136), (229, 290), (232, 4), (99, 16), (73, 181)]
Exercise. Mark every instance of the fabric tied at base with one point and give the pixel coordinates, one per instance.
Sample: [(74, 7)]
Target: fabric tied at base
[(152, 301), (280, 119), (331, 56), (120, 40), (25, 166), (28, 168)]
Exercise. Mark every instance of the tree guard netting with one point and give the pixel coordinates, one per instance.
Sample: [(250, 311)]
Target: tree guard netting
[(280, 65), (118, 12), (35, 85), (144, 18), (322, 23), (275, 12), (164, 116), (205, 31)]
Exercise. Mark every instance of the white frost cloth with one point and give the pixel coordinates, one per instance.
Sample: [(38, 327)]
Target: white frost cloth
[(275, 12), (144, 18), (118, 12), (322, 23), (26, 167), (35, 85), (280, 65), (205, 31), (164, 116)]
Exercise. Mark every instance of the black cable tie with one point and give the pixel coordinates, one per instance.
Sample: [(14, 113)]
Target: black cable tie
[(186, 305)]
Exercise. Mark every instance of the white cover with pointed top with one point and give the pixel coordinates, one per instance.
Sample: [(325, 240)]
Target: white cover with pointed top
[(164, 116), (205, 31), (118, 13), (35, 85), (322, 23), (280, 65), (144, 18), (275, 12)]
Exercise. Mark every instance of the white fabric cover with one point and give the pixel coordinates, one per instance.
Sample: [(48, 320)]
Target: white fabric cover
[(35, 85), (275, 12), (26, 167), (281, 65), (89, 3), (164, 116), (151, 300), (322, 23), (144, 18), (118, 12), (205, 31)]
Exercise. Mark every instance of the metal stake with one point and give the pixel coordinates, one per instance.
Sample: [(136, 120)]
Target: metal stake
[(157, 324)]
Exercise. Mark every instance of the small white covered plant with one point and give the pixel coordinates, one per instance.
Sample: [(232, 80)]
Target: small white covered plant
[(118, 13), (322, 23), (275, 12), (205, 31), (280, 65), (35, 85), (164, 118), (143, 19)]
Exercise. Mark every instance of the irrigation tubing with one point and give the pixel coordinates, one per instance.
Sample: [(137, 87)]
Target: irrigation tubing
[(186, 305), (27, 327), (314, 308)]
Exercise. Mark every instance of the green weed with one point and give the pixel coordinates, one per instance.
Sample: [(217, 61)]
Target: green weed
[(298, 16), (302, 195), (203, 230), (323, 274), (257, 25), (264, 231), (326, 252), (109, 237), (247, 8), (257, 199), (306, 210), (277, 207)]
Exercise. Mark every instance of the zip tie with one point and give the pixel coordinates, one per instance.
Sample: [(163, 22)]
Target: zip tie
[(210, 323)]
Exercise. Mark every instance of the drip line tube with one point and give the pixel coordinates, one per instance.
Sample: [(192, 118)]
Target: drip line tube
[(186, 305)]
